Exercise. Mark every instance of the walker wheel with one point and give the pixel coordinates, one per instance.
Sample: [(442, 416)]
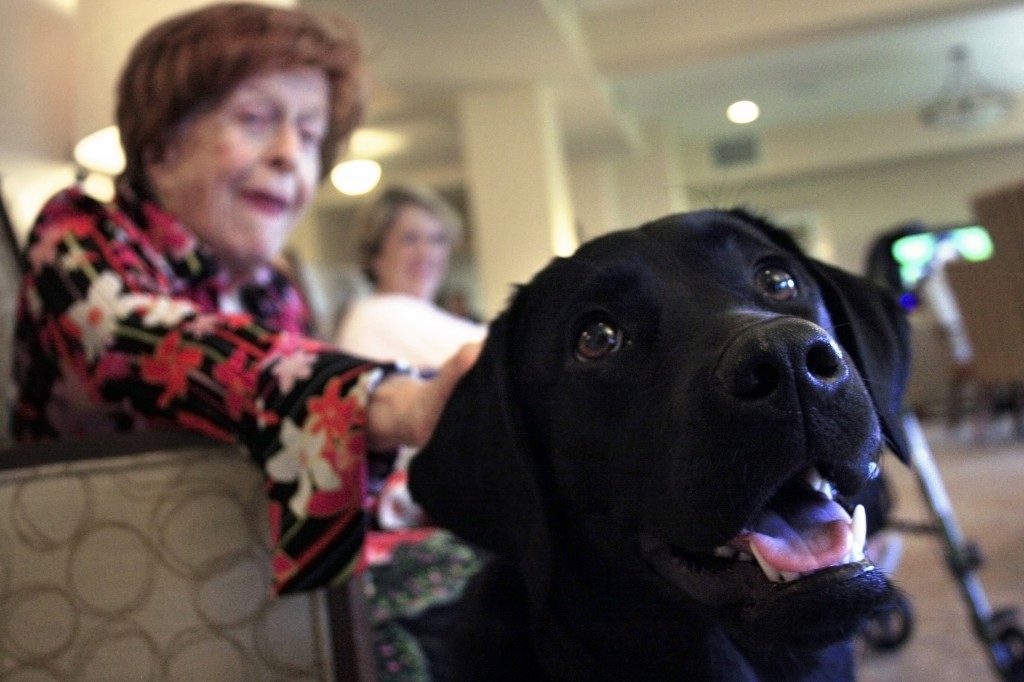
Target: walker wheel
[(1008, 653), (890, 628)]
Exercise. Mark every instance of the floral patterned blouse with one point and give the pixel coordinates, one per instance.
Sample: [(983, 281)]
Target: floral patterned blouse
[(122, 326)]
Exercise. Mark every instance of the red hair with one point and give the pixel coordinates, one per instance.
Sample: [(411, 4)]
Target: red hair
[(192, 62)]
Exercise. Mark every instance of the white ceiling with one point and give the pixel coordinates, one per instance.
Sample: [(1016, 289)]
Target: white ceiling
[(621, 65), (618, 66)]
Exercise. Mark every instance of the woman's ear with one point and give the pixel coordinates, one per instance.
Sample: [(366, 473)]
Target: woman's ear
[(160, 160), (155, 167)]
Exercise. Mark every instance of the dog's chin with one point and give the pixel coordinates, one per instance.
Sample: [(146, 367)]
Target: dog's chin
[(813, 611)]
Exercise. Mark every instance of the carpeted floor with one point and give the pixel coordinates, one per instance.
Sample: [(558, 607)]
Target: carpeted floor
[(985, 483)]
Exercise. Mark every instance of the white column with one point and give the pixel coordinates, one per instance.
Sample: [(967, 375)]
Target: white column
[(518, 186), (595, 196), (652, 184)]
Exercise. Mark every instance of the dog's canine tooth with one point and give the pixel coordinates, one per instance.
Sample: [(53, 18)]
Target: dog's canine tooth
[(743, 556), (813, 478), (725, 552), (790, 576), (773, 574), (859, 528)]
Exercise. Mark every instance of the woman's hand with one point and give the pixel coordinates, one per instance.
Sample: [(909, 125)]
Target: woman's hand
[(403, 410)]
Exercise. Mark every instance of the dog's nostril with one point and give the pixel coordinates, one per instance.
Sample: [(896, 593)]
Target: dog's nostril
[(755, 380), (824, 362)]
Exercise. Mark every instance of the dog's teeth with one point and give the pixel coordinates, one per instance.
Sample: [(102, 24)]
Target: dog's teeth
[(770, 571), (859, 528), (725, 552), (827, 490), (814, 478), (789, 576), (743, 556), (818, 483)]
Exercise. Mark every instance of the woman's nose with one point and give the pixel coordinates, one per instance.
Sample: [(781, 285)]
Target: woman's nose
[(285, 148)]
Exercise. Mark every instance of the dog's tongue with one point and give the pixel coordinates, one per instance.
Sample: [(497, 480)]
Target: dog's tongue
[(803, 537)]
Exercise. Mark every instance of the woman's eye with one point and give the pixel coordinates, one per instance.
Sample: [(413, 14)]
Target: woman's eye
[(776, 283), (312, 138), (598, 339), (253, 119)]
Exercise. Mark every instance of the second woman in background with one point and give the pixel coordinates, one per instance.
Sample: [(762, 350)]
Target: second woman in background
[(405, 240)]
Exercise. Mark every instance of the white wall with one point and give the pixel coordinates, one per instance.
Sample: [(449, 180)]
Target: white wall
[(854, 204)]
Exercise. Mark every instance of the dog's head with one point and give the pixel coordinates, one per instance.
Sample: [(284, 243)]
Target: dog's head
[(687, 405)]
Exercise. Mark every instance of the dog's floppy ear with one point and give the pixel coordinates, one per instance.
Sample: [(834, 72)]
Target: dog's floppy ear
[(475, 476), (871, 325)]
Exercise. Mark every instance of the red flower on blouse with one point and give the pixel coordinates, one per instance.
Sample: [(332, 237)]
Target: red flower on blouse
[(238, 380), (169, 367), (334, 412)]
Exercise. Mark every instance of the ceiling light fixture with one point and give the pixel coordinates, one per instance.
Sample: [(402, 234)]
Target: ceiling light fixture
[(966, 100), (743, 112), (356, 176), (100, 152)]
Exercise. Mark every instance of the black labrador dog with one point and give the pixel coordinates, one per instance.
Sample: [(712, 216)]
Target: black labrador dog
[(660, 444)]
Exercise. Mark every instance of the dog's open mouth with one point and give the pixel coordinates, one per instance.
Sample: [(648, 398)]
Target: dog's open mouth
[(803, 532)]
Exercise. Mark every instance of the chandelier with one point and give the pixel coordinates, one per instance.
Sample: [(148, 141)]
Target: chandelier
[(966, 100)]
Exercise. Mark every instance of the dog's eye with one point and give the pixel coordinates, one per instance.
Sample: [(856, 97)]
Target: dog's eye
[(598, 339), (776, 283)]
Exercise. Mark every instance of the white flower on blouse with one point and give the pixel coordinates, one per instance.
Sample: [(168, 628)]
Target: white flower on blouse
[(301, 460), (96, 315), (159, 310), (105, 304), (293, 367)]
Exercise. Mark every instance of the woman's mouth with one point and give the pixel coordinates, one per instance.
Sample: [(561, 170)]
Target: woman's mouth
[(267, 203)]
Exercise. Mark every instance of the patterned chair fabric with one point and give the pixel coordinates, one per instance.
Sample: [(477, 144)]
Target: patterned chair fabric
[(149, 566)]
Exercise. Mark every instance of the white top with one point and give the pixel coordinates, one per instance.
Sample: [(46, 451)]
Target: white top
[(403, 328)]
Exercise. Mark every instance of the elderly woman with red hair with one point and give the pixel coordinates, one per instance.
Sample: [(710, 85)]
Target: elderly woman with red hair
[(164, 308)]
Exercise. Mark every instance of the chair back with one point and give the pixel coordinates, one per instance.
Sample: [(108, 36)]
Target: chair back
[(145, 557), (10, 282)]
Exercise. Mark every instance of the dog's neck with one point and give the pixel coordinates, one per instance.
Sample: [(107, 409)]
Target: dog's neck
[(595, 650)]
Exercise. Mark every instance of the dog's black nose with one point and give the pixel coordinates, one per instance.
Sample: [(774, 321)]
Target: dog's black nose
[(766, 357)]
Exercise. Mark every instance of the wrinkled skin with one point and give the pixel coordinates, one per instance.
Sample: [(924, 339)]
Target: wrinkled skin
[(640, 404)]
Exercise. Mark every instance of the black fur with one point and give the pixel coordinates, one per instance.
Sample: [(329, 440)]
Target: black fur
[(720, 389)]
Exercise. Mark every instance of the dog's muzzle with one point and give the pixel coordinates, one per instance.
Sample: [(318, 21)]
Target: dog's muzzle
[(804, 543)]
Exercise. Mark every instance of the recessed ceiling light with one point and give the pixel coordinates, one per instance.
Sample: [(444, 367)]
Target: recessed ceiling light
[(356, 177), (743, 112)]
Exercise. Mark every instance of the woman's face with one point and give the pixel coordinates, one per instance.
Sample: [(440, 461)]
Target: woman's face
[(240, 175), (413, 257)]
